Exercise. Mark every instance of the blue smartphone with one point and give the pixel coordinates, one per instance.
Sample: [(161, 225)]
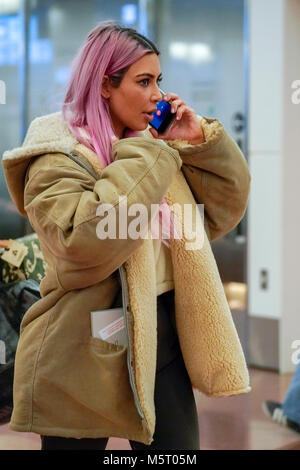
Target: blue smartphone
[(162, 122)]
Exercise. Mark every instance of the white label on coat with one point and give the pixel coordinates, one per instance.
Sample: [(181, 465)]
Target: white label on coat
[(109, 326), (112, 328)]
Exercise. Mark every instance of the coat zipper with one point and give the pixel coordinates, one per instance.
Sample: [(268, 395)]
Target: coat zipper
[(125, 307)]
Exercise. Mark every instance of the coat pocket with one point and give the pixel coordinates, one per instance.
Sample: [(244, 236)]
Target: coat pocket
[(104, 347), (107, 381)]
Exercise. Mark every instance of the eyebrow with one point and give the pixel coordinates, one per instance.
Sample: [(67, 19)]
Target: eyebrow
[(148, 75)]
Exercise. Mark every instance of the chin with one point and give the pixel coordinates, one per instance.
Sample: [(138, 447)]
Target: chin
[(140, 127), (137, 127)]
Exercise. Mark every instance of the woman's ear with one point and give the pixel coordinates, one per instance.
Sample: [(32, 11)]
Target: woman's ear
[(105, 92)]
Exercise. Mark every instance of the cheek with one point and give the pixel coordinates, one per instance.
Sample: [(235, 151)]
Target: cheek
[(131, 104), (119, 106), (136, 106), (137, 98)]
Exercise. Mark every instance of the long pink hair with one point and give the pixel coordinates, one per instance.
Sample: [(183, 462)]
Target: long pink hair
[(109, 49)]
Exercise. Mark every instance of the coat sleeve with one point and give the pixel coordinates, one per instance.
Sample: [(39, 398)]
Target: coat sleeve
[(61, 201), (218, 176)]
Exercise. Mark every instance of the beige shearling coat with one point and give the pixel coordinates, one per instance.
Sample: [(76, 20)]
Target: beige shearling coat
[(68, 383)]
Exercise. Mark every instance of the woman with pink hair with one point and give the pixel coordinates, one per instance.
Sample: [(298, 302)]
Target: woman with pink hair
[(76, 385)]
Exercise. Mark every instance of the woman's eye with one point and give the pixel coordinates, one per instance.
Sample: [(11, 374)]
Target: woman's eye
[(147, 80)]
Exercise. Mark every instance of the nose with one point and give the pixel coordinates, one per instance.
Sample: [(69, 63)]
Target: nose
[(156, 96)]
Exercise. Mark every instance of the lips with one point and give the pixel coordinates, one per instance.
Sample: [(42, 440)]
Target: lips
[(150, 114)]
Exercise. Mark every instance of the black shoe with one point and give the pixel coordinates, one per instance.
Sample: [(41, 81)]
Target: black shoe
[(273, 409), (5, 414)]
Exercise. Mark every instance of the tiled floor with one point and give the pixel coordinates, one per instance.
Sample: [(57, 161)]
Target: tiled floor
[(235, 422)]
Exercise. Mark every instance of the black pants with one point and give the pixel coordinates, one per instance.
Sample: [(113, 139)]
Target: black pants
[(176, 413)]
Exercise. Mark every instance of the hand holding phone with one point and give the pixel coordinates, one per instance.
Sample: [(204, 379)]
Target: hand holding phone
[(163, 117), (187, 126)]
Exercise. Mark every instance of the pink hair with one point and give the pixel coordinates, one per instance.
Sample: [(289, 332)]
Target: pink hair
[(109, 49)]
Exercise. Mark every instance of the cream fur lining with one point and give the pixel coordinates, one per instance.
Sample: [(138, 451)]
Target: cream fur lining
[(211, 132)]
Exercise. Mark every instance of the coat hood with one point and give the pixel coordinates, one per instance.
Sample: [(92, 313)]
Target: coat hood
[(45, 134)]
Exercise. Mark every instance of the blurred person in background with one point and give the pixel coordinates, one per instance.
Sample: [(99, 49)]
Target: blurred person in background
[(287, 414)]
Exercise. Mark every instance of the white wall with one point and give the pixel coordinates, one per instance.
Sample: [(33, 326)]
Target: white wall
[(290, 165), (265, 111)]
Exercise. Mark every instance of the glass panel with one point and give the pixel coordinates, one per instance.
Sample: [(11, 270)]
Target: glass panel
[(12, 223), (57, 30), (201, 45)]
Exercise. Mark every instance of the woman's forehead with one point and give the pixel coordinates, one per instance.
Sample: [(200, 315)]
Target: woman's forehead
[(148, 64)]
